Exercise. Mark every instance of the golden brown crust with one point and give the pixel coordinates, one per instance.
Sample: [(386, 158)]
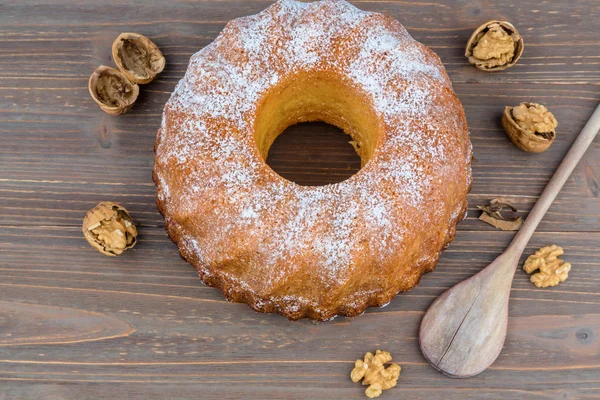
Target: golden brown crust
[(287, 310), (323, 251)]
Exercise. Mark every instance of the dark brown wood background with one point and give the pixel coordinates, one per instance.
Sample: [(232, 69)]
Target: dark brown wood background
[(78, 325)]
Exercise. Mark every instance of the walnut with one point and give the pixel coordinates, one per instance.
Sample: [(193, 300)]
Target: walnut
[(137, 57), (494, 46), (112, 91), (492, 215), (530, 126), (552, 270), (108, 227), (373, 373)]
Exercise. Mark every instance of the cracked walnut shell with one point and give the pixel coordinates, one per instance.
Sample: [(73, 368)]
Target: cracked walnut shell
[(374, 373), (492, 214), (530, 126), (112, 91), (138, 58), (494, 46), (552, 270), (108, 227)]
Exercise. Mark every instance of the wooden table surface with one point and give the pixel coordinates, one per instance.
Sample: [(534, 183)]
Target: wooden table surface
[(78, 325)]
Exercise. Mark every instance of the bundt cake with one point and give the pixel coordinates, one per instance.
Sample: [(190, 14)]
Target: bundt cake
[(313, 251)]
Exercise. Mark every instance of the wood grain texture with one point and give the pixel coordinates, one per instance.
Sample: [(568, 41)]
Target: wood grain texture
[(28, 324), (464, 330), (61, 155)]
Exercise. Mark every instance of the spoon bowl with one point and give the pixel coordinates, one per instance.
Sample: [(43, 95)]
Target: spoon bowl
[(473, 315)]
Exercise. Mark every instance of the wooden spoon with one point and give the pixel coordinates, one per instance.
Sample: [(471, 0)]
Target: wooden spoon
[(463, 331)]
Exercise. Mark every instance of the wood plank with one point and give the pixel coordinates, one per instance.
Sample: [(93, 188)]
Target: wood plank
[(91, 164), (59, 257), (32, 325), (142, 325), (186, 332), (68, 136)]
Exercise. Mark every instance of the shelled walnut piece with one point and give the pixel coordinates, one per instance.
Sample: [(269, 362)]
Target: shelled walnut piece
[(112, 91), (552, 270), (138, 58), (530, 126), (494, 46), (374, 373), (108, 227)]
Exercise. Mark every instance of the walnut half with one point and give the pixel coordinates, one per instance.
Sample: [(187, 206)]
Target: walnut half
[(552, 270), (112, 91), (530, 126), (137, 57), (494, 46), (372, 371), (108, 227)]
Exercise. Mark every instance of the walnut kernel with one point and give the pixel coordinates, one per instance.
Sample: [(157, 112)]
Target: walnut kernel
[(108, 227), (530, 126), (112, 91), (552, 270), (494, 46), (374, 373), (137, 57)]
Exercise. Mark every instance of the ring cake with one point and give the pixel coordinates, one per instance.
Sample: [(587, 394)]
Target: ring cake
[(313, 251)]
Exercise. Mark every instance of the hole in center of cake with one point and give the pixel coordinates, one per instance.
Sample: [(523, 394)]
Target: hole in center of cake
[(341, 136), (313, 153)]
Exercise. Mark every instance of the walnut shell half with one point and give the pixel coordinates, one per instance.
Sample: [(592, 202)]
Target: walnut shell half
[(137, 57), (524, 125), (108, 227), (494, 46), (112, 91)]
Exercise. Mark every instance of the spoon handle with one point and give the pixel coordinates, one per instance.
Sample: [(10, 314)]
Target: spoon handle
[(559, 178)]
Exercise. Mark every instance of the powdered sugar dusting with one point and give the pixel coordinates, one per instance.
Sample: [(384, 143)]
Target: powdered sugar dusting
[(230, 207)]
